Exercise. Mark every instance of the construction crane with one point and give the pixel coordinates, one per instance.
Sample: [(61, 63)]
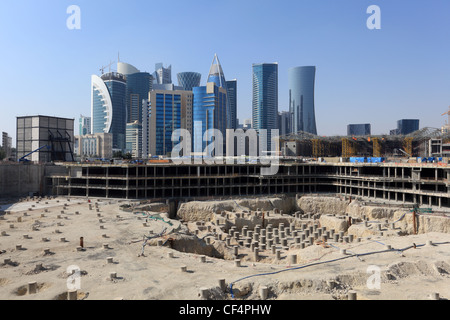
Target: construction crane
[(447, 113), (102, 69)]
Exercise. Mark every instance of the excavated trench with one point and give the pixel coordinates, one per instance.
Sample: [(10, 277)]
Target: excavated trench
[(274, 230)]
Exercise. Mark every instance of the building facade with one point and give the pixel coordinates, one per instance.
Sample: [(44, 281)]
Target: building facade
[(232, 121), (406, 126), (84, 125), (97, 145), (265, 100), (362, 129), (301, 98), (209, 112), (169, 110), (134, 139), (162, 75), (189, 80), (6, 144), (45, 139), (284, 122), (109, 108)]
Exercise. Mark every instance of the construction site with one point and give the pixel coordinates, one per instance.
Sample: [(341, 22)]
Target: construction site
[(341, 218), (424, 143), (314, 230)]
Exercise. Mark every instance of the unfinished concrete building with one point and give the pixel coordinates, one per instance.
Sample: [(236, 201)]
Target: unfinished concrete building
[(423, 184)]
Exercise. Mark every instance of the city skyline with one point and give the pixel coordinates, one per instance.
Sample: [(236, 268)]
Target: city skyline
[(401, 69)]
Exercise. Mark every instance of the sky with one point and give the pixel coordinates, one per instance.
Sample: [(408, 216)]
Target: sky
[(378, 76)]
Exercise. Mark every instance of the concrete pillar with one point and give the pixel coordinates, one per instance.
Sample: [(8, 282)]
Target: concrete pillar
[(32, 287), (72, 295), (351, 295), (222, 285), (263, 292), (292, 259)]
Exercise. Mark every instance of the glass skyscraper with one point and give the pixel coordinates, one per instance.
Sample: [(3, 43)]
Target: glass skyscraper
[(265, 99), (139, 85), (209, 112), (301, 98), (108, 106), (189, 80), (166, 109), (232, 100)]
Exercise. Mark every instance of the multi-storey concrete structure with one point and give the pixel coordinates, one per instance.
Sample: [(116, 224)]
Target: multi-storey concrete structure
[(422, 184)]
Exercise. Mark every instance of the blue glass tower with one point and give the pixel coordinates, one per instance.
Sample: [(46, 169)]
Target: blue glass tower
[(139, 85), (232, 100), (209, 112), (265, 99), (108, 107), (165, 117), (189, 80), (301, 98)]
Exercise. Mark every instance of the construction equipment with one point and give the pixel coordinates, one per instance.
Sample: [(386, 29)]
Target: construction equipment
[(102, 69), (23, 159)]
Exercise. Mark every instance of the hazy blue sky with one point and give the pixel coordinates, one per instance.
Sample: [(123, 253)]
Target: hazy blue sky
[(363, 76)]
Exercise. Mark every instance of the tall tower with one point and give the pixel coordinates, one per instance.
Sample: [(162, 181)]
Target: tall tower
[(108, 106), (217, 76), (301, 98), (139, 84), (189, 80), (232, 100), (162, 75), (265, 99)]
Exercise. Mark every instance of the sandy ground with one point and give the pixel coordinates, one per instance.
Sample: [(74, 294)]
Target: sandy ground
[(414, 274)]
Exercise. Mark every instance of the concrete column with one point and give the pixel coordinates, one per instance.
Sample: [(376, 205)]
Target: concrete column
[(32, 287)]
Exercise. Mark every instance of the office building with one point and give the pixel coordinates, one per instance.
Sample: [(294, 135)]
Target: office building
[(209, 112), (284, 122), (138, 85), (97, 145), (232, 122), (84, 125), (301, 98), (45, 138), (6, 144), (189, 80), (168, 110), (109, 108), (265, 101), (134, 139), (406, 126), (162, 75), (362, 129), (217, 76)]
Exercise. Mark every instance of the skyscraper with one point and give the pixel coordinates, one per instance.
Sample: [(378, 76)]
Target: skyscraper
[(84, 125), (362, 129), (210, 103), (301, 98), (265, 99), (189, 80), (232, 122), (406, 126), (108, 106), (217, 76), (162, 75), (169, 110), (139, 85), (284, 122)]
